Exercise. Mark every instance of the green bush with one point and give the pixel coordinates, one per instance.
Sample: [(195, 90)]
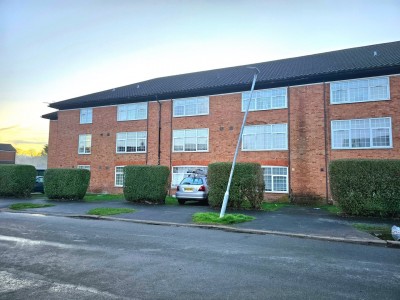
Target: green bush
[(247, 184), (17, 180), (146, 183), (66, 184), (366, 187)]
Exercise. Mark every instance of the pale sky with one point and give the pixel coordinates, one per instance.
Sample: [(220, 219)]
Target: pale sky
[(55, 50)]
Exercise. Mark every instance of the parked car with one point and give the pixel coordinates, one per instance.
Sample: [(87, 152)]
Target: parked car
[(192, 188), (39, 185)]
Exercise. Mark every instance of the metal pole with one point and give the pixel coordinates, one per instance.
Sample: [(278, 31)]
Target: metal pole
[(226, 196)]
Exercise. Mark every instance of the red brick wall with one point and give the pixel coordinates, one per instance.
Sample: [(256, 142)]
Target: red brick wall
[(7, 156), (308, 138)]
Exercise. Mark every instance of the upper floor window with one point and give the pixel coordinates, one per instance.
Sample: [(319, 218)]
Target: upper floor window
[(136, 111), (362, 133), (86, 115), (360, 90), (265, 137), (130, 142), (85, 144), (190, 140), (265, 99), (276, 179), (191, 107)]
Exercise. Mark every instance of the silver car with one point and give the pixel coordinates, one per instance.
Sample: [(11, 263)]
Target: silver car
[(192, 188)]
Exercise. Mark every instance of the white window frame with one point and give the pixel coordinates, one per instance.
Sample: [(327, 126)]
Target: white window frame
[(123, 111), (197, 101), (345, 86), (271, 132), (349, 129), (136, 139), (86, 116), (185, 131), (276, 175), (83, 141), (192, 167), (261, 99), (84, 167), (119, 173)]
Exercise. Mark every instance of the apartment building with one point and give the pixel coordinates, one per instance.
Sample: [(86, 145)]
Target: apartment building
[(305, 112)]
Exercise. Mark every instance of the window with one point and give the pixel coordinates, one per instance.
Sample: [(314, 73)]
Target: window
[(265, 137), (276, 179), (191, 107), (180, 172), (86, 115), (360, 90), (131, 142), (137, 111), (362, 133), (265, 99), (85, 144), (190, 140), (119, 176), (85, 167)]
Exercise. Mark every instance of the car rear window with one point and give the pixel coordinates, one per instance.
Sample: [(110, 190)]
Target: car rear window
[(192, 180)]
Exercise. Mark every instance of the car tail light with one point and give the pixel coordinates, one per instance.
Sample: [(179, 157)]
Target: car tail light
[(202, 188), (177, 188)]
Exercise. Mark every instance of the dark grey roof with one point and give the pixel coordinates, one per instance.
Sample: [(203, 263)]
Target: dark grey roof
[(358, 62), (7, 147)]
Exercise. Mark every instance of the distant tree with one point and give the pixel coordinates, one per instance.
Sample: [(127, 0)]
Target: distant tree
[(45, 150)]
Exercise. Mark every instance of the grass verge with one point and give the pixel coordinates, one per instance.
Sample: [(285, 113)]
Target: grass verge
[(213, 218), (383, 232), (272, 206), (107, 211), (334, 209), (103, 197), (21, 206), (169, 200)]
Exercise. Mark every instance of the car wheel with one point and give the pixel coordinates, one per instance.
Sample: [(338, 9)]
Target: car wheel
[(181, 201)]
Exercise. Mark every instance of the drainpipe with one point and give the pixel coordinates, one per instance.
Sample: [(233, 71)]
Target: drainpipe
[(326, 147), (159, 131)]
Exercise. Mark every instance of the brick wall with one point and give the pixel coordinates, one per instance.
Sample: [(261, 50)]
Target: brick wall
[(7, 157), (308, 116)]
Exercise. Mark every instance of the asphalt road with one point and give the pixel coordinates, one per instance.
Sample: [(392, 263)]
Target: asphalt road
[(61, 258)]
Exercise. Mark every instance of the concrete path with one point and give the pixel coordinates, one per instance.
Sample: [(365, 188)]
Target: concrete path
[(300, 221)]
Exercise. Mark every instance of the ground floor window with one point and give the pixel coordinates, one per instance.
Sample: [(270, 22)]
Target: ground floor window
[(85, 167), (276, 179), (180, 172), (119, 176)]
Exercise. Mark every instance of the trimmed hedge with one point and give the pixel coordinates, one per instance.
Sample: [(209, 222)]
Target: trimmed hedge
[(365, 187), (66, 184), (17, 180), (247, 184), (146, 183)]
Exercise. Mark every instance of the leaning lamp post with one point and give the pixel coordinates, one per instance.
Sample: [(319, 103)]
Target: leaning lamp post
[(226, 196)]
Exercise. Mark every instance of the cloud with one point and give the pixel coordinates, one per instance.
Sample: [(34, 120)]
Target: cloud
[(27, 142)]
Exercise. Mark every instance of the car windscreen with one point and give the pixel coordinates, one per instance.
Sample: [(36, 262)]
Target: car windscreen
[(192, 180)]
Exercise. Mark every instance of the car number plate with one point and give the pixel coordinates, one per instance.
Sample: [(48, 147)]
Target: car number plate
[(188, 189)]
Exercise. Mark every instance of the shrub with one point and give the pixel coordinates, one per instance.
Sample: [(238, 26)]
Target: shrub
[(17, 180), (366, 187), (247, 184), (146, 183), (66, 184)]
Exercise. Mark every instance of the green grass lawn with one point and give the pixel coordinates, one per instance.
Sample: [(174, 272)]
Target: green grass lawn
[(107, 211), (21, 206), (213, 218), (169, 200), (383, 232), (103, 197), (334, 209)]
